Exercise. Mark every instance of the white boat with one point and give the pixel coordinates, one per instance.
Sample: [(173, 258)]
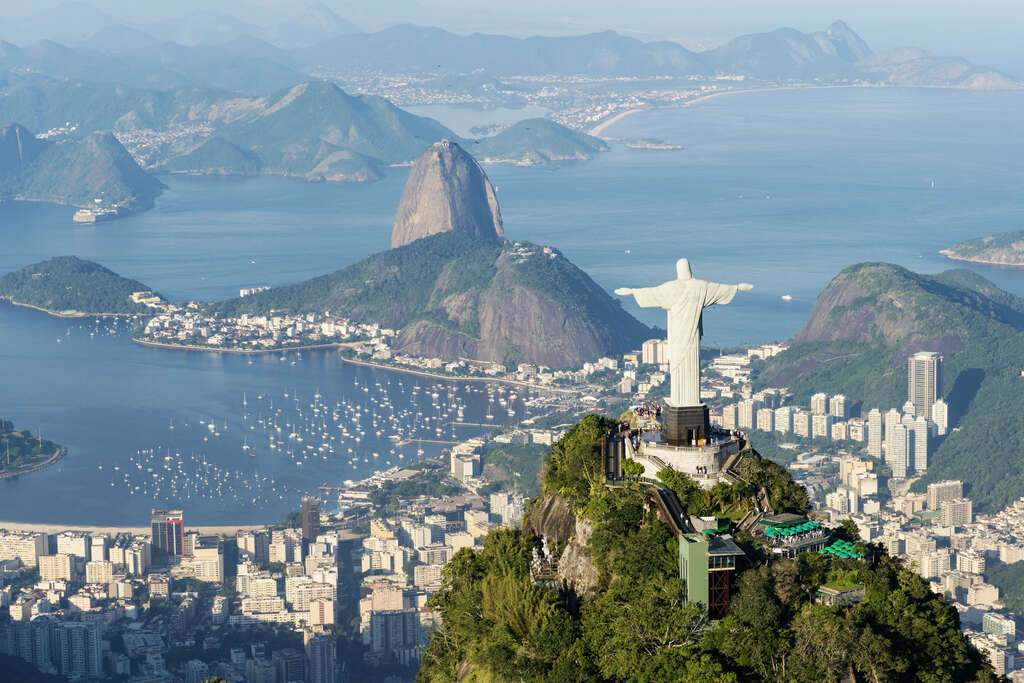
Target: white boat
[(787, 297)]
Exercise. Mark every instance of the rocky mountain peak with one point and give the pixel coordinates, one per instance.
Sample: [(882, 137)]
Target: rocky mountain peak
[(447, 191)]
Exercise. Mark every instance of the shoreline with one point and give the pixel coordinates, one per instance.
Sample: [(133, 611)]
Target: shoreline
[(948, 253), (68, 314), (112, 530), (449, 378), (252, 352), (53, 459), (600, 127)]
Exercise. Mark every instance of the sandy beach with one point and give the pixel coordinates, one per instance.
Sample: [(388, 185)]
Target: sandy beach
[(600, 127)]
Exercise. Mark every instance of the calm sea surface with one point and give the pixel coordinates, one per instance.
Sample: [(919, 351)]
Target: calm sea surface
[(779, 189)]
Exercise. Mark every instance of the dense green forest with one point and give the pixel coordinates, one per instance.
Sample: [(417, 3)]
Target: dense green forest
[(633, 625), (21, 449), (68, 283), (518, 465), (1009, 578), (857, 340)]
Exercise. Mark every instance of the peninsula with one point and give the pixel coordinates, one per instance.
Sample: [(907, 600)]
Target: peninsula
[(94, 173), (21, 452), (1001, 249), (70, 287)]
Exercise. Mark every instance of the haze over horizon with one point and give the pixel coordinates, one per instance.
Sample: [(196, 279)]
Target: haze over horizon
[(986, 32)]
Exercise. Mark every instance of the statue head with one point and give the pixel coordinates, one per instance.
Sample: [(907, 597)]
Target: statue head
[(683, 269)]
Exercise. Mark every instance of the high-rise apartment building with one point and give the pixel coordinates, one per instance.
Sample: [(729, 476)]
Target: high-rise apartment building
[(802, 423), (920, 445), (766, 419), (941, 491), (322, 657), (748, 413), (99, 571), (59, 567), (924, 380), (208, 559), (956, 512), (310, 518), (897, 450), (819, 404), (875, 433), (837, 406), (892, 418), (940, 416), (168, 530), (821, 426), (783, 419)]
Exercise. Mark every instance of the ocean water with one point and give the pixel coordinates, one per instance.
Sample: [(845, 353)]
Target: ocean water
[(780, 189)]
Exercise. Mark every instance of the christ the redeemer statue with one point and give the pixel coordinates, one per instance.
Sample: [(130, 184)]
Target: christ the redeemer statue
[(685, 300)]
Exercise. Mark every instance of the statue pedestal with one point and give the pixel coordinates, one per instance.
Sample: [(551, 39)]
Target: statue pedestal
[(685, 426), (702, 463)]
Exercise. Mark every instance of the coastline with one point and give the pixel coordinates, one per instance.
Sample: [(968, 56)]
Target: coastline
[(600, 127), (948, 253), (252, 352), (67, 314), (60, 453), (449, 378), (114, 530)]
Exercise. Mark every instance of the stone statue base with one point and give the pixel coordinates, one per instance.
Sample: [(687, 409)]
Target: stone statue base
[(702, 463), (686, 426)]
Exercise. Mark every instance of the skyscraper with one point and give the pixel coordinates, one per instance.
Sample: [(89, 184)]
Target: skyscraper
[(940, 416), (875, 433), (322, 659), (310, 518), (924, 380), (920, 445), (819, 404), (168, 531), (897, 450), (892, 419), (837, 406)]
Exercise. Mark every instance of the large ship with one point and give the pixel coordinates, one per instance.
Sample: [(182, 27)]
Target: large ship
[(94, 215)]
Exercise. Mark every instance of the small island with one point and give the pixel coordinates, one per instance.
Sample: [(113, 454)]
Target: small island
[(70, 287), (21, 452), (1002, 249), (651, 144)]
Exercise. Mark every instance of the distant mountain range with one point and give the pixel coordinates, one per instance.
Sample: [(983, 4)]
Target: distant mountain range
[(218, 52), (75, 172), (873, 315), (317, 131)]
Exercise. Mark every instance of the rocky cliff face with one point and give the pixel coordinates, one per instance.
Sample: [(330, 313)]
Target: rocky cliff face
[(881, 303), (447, 191)]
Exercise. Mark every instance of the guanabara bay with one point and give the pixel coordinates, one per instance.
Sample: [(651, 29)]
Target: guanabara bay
[(460, 342)]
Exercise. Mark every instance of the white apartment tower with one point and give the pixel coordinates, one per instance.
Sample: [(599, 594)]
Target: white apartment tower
[(920, 445), (783, 419), (819, 404), (837, 406), (924, 380), (875, 433), (940, 416), (897, 450), (892, 419)]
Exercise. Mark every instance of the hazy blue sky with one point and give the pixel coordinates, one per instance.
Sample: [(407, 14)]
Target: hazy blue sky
[(987, 31)]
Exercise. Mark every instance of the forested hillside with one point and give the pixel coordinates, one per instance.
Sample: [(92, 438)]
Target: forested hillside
[(873, 315), (627, 621)]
